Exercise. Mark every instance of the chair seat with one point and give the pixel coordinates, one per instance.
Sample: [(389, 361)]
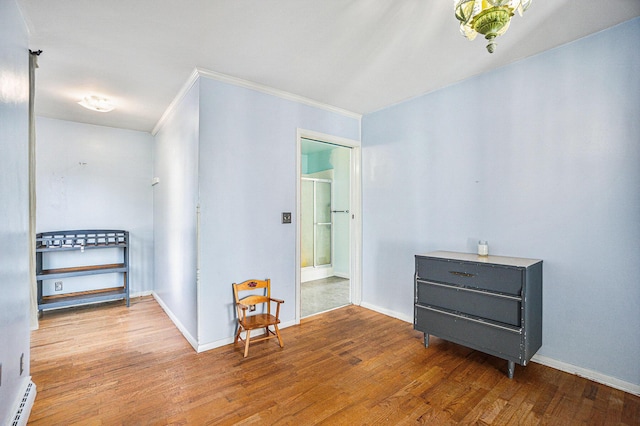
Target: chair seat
[(258, 321)]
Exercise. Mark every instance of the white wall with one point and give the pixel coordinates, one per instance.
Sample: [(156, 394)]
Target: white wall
[(14, 207), (95, 177), (247, 168), (174, 213), (541, 158)]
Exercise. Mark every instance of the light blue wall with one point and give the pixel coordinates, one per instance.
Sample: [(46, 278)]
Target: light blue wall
[(96, 177), (542, 159), (14, 207), (174, 212), (248, 177)]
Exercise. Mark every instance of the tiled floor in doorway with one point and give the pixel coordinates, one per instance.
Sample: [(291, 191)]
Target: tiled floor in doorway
[(322, 295)]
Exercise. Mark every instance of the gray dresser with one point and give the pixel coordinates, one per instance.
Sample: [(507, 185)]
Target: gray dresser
[(489, 303)]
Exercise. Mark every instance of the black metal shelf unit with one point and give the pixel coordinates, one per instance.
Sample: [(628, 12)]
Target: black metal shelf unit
[(81, 240)]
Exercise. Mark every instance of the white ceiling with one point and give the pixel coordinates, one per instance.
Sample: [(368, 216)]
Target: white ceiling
[(358, 55)]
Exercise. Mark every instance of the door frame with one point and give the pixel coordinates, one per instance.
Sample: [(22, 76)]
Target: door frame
[(355, 237)]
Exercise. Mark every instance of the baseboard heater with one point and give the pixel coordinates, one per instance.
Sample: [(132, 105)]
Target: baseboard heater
[(24, 405)]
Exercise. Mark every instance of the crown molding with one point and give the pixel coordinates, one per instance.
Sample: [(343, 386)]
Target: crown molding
[(275, 92), (193, 77), (224, 78)]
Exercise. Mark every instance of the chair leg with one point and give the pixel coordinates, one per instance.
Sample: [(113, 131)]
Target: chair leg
[(237, 335), (278, 334), (246, 344)]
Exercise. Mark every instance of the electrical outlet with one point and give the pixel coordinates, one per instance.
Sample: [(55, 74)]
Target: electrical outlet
[(286, 217), (58, 285)]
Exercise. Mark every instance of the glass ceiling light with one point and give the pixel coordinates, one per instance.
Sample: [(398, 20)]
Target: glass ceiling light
[(96, 103), (488, 17)]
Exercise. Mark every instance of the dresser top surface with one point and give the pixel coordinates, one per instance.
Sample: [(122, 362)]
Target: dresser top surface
[(472, 257)]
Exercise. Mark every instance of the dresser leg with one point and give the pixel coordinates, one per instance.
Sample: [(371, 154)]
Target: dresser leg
[(426, 340), (511, 367)]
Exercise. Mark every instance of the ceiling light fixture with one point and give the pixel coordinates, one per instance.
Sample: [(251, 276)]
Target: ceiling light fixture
[(490, 18), (96, 103)]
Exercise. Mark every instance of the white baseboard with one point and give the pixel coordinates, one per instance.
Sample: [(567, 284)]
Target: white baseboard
[(192, 341), (312, 274), (141, 294), (588, 374), (229, 340), (215, 344), (23, 404), (387, 312), (540, 359)]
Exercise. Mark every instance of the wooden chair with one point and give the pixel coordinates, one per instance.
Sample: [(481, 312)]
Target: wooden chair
[(264, 319)]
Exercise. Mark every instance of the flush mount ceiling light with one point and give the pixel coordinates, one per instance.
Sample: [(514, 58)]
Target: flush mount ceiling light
[(97, 103), (490, 18)]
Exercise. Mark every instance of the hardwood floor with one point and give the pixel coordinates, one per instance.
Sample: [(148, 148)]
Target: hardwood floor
[(109, 365)]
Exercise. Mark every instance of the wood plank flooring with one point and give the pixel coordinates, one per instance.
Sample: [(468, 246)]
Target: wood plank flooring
[(109, 365)]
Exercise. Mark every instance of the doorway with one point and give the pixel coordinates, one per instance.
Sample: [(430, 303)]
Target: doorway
[(328, 241)]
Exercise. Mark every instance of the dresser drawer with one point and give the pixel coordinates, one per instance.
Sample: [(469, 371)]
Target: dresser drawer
[(503, 279), (501, 341), (496, 307)]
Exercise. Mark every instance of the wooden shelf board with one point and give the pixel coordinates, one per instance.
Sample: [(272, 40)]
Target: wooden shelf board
[(84, 297), (81, 270)]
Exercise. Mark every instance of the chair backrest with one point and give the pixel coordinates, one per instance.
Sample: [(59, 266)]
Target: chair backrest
[(251, 287)]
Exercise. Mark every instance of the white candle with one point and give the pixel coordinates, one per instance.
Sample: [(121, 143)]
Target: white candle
[(483, 248)]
